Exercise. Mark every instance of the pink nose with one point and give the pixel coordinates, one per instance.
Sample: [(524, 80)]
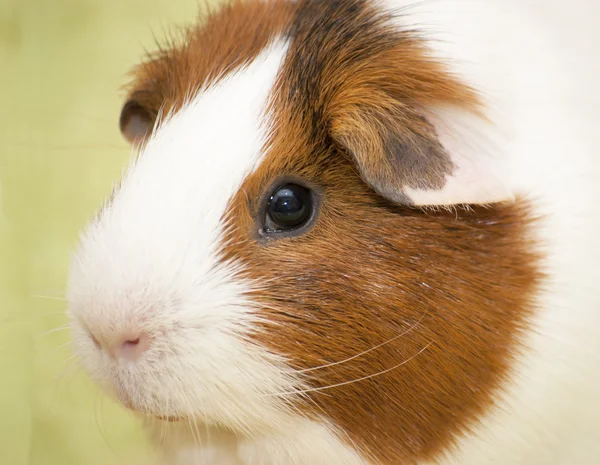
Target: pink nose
[(127, 345)]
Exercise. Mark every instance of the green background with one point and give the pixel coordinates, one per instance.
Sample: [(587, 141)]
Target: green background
[(62, 63)]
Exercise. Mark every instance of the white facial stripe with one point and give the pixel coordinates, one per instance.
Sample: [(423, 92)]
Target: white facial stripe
[(171, 202), (150, 263)]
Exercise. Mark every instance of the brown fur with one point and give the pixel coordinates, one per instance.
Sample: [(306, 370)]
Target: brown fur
[(441, 296), (366, 84), (230, 37), (454, 285)]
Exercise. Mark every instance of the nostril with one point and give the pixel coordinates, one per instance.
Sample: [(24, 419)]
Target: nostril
[(132, 346), (127, 345)]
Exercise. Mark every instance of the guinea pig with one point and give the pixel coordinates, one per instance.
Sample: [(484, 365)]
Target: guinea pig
[(355, 232)]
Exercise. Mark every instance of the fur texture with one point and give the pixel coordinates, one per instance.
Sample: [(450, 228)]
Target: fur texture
[(440, 309)]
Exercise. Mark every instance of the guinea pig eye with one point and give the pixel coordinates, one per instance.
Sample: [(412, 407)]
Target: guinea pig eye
[(289, 208)]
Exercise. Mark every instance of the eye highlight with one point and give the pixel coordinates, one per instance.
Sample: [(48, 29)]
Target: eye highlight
[(289, 208)]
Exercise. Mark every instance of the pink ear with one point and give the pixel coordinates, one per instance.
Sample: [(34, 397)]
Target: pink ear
[(480, 173)]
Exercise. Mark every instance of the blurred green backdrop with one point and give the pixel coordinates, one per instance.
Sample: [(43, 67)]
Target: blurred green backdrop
[(61, 65)]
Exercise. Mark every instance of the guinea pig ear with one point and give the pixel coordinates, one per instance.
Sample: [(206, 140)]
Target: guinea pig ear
[(136, 122), (422, 157)]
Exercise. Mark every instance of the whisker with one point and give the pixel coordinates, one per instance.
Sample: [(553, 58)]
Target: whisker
[(192, 430), (195, 425), (164, 433), (346, 383), (53, 352), (207, 429), (49, 297), (149, 420), (164, 430), (67, 375), (379, 346), (191, 421), (56, 385), (100, 420), (63, 345), (66, 381), (55, 330), (72, 364), (305, 397), (63, 313), (68, 147)]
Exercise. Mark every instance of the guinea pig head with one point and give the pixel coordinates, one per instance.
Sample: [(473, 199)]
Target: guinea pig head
[(267, 255)]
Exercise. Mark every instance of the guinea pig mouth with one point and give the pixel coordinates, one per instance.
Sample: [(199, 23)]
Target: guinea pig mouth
[(165, 418), (169, 419), (128, 404)]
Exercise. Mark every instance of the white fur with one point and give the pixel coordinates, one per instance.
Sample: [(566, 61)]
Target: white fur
[(535, 64), (304, 442)]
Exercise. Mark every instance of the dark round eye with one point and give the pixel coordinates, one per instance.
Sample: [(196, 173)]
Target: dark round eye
[(290, 207)]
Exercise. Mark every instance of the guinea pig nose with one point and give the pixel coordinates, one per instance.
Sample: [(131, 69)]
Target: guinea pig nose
[(130, 346)]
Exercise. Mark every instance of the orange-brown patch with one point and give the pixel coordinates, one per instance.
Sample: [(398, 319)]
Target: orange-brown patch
[(442, 296), (445, 296)]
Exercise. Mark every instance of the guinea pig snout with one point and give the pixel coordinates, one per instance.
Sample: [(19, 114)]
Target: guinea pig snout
[(122, 344)]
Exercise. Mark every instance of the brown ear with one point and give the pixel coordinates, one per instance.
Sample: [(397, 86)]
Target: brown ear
[(429, 156), (395, 148), (417, 135), (136, 122), (146, 97)]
